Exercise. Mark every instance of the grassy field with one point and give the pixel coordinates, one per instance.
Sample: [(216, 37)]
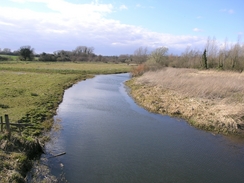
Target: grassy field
[(23, 92), (28, 86), (65, 67)]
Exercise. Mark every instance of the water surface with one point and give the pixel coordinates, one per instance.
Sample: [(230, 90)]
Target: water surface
[(108, 138)]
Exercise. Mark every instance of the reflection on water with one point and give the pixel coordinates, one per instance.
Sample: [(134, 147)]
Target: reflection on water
[(108, 138)]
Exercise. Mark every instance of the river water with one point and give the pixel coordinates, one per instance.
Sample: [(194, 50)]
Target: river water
[(110, 139)]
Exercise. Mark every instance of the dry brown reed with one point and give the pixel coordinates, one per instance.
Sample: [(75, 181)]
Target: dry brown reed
[(138, 70), (208, 84), (208, 99)]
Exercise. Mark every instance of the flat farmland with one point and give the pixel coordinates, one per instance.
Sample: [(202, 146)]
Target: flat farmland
[(65, 67)]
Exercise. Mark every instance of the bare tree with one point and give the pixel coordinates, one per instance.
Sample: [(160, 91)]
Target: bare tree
[(191, 58), (6, 50), (159, 56), (140, 55), (223, 55), (235, 54), (212, 50), (83, 50), (90, 50)]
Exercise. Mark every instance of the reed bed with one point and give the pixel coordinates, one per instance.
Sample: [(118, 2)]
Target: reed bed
[(210, 84), (208, 99)]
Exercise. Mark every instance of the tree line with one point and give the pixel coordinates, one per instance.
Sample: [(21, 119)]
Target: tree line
[(227, 56)]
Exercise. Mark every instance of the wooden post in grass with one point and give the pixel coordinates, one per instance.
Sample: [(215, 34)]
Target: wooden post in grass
[(7, 125), (1, 120)]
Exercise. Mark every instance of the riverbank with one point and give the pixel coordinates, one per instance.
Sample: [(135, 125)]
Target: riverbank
[(210, 100), (30, 93)]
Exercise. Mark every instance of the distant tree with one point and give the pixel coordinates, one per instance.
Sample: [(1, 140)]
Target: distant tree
[(212, 51), (99, 58), (140, 55), (46, 57), (6, 50), (235, 55), (83, 50), (124, 58), (204, 59), (26, 53), (90, 50), (223, 55), (83, 53), (63, 55), (16, 53), (159, 56)]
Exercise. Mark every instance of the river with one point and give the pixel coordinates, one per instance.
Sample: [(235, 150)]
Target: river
[(108, 138)]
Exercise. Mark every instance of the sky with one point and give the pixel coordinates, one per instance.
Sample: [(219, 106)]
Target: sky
[(115, 27)]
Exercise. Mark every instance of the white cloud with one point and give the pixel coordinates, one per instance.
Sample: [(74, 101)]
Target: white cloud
[(69, 25), (197, 30), (123, 7), (229, 11)]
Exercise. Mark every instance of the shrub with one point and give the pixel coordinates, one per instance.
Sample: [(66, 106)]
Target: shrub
[(139, 70)]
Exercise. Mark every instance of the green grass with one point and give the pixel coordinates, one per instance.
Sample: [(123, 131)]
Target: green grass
[(17, 91), (10, 57), (31, 91), (65, 67)]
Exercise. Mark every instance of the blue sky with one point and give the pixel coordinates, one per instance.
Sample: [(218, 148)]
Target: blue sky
[(115, 27)]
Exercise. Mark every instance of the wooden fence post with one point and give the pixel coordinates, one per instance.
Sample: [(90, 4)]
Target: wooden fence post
[(7, 125), (1, 120)]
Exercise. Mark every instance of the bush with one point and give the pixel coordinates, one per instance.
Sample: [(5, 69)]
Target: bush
[(3, 58), (139, 70)]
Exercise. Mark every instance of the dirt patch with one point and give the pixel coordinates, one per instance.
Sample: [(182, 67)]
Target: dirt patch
[(179, 92)]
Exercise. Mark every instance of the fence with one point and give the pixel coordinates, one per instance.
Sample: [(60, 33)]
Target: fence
[(8, 125)]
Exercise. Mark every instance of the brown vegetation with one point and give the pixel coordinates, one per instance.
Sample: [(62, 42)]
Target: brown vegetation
[(138, 70), (209, 99)]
